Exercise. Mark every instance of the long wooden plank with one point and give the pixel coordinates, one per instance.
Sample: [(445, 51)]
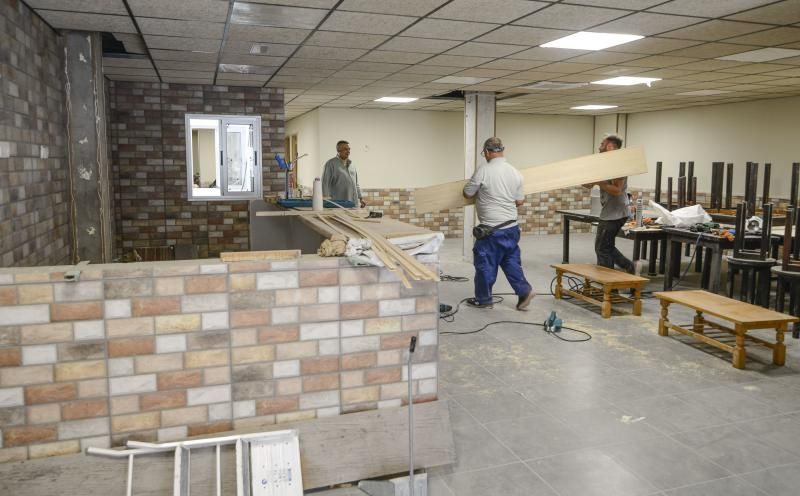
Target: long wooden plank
[(333, 450), (555, 175), (247, 256)]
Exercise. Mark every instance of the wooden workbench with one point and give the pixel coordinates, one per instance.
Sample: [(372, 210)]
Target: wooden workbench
[(744, 316), (607, 279)]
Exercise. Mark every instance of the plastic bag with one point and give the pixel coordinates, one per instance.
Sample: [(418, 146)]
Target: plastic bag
[(683, 217)]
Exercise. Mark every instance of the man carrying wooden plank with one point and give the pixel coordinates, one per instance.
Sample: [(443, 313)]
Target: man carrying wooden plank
[(497, 188), (614, 215)]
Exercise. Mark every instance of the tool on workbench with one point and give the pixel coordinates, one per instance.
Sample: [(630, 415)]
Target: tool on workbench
[(287, 168)]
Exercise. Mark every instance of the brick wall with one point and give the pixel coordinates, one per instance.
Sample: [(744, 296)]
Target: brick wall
[(34, 211), (149, 164), (536, 216), (164, 350)]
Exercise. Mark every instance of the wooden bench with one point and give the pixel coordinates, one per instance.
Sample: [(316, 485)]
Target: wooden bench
[(607, 279), (744, 316)]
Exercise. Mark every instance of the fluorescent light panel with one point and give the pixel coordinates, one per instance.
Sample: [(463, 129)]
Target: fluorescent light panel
[(396, 99), (762, 55), (594, 107), (585, 40), (627, 81)]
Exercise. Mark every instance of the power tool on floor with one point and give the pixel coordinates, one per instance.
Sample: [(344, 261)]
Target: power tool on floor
[(553, 323)]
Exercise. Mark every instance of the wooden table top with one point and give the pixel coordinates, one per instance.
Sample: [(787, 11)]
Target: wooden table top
[(735, 311), (599, 274)]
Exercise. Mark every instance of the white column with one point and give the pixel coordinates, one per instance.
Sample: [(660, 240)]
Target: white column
[(479, 124)]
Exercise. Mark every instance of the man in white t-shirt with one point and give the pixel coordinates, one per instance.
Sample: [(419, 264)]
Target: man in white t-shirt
[(497, 189)]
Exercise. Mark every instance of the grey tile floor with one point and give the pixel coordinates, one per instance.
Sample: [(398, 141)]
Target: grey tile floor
[(628, 413)]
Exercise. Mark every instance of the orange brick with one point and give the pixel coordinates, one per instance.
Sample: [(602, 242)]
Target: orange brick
[(19, 436), (427, 304), (207, 284), (319, 278), (84, 409), (35, 293), (47, 393), (135, 422), (394, 341), (319, 365), (131, 346), (359, 360), (249, 318), (320, 383), (384, 376), (180, 379), (249, 266), (277, 405), (8, 296), (10, 357), (278, 334), (90, 310), (162, 305), (361, 310), (210, 428), (163, 400)]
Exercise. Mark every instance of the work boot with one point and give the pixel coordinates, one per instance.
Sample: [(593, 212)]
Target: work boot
[(473, 302), (525, 300)]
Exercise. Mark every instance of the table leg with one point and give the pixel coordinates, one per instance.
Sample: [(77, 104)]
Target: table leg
[(779, 352), (698, 324), (716, 267), (651, 262), (706, 275), (557, 292), (644, 250), (606, 308), (739, 354), (780, 295), (764, 287), (663, 330), (637, 250), (662, 256), (637, 300), (677, 258), (669, 270), (698, 259), (565, 229)]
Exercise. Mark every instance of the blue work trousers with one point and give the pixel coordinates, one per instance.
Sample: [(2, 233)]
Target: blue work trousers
[(500, 249)]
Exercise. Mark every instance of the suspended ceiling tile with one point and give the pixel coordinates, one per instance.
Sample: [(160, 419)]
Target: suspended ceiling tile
[(478, 10), (256, 70), (567, 67), (95, 6), (186, 29), (185, 66), (431, 69), (456, 61), (301, 72), (604, 57), (619, 4), (133, 43), (771, 37), (485, 49), (786, 12), (712, 50), (753, 68), (129, 71), (420, 45), (123, 77), (276, 15), (318, 52), (786, 73), (182, 80), (266, 34), (709, 65), (80, 21), (315, 63), (126, 62), (448, 30), (318, 4), (550, 54), (199, 10), (353, 22), (235, 82), (187, 44), (660, 61), (395, 57), (183, 55), (483, 73), (614, 70), (186, 74), (345, 40), (708, 8), (259, 60), (715, 30), (514, 64), (522, 35), (406, 7), (646, 24), (571, 17), (750, 79), (376, 66), (411, 78), (653, 46), (251, 48), (791, 81), (706, 76), (361, 75)]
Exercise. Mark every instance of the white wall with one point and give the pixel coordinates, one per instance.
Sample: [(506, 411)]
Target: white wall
[(416, 148), (760, 131)]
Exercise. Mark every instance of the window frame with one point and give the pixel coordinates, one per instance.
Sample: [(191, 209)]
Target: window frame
[(222, 142)]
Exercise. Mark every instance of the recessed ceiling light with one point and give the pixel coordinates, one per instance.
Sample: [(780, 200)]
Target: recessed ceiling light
[(627, 81), (594, 107), (552, 85), (762, 55), (396, 99), (461, 80), (259, 48), (703, 93), (585, 40)]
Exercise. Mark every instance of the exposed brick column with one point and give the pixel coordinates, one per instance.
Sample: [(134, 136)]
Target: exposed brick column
[(89, 196)]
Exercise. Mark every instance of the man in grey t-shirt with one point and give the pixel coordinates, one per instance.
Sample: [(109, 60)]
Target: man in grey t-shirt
[(497, 189), (340, 179), (615, 213)]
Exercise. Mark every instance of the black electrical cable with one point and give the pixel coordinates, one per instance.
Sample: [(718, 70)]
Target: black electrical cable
[(696, 247), (448, 278)]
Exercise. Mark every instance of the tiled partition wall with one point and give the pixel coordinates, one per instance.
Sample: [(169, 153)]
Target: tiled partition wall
[(164, 350)]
